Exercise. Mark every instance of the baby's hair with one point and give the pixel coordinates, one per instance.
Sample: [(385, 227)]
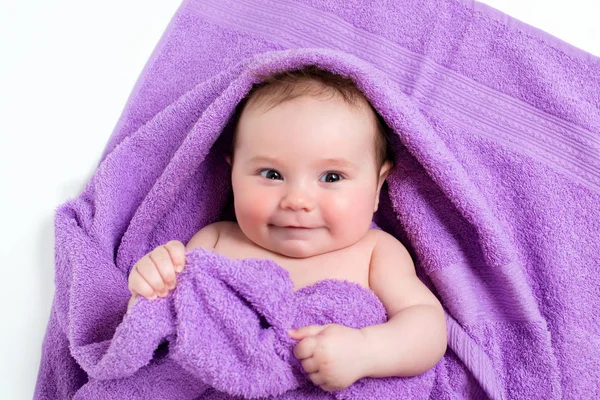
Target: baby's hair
[(288, 85)]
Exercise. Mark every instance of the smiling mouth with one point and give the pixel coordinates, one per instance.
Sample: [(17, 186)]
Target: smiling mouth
[(293, 227)]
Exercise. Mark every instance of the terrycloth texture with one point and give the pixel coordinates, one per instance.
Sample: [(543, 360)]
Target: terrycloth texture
[(495, 192), (227, 326)]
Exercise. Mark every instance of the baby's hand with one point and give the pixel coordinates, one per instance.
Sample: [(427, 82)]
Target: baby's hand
[(330, 354), (154, 274)]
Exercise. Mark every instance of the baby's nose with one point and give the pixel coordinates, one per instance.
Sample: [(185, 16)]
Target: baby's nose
[(298, 200)]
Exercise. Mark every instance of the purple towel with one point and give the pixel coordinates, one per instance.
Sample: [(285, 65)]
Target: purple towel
[(223, 334), (496, 193)]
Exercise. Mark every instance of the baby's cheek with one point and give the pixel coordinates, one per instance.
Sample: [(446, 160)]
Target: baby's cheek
[(252, 208), (349, 212)]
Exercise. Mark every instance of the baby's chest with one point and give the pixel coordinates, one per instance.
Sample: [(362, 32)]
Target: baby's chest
[(350, 264), (347, 267)]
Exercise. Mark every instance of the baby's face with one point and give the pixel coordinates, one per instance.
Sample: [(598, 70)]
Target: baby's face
[(304, 175)]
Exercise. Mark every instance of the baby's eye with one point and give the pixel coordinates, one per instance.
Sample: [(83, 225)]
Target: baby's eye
[(331, 177), (270, 174)]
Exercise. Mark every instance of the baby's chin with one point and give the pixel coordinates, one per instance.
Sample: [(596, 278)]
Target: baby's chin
[(298, 253), (292, 251), (299, 250)]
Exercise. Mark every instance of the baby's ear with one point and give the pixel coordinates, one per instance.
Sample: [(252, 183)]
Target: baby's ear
[(384, 171)]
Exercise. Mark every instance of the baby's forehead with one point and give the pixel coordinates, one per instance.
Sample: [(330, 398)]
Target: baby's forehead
[(266, 98), (306, 124), (328, 110), (278, 92), (333, 111)]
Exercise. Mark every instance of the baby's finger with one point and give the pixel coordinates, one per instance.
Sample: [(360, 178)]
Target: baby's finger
[(176, 250), (329, 387), (138, 285), (316, 378), (310, 365), (132, 300), (305, 348), (306, 331), (149, 271), (162, 260)]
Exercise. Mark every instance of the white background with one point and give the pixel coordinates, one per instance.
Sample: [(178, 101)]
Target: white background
[(66, 70)]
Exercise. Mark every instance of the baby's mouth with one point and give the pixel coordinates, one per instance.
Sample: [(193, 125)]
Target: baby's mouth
[(292, 227)]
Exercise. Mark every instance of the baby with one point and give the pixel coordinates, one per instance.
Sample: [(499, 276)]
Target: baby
[(309, 158)]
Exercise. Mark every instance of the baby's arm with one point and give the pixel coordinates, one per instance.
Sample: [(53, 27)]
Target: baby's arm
[(154, 274), (409, 343), (414, 338)]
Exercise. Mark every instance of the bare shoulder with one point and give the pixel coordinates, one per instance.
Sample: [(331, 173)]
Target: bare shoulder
[(386, 247), (208, 236)]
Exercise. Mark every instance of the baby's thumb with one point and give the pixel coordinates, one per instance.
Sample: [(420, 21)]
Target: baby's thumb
[(306, 331), (132, 300)]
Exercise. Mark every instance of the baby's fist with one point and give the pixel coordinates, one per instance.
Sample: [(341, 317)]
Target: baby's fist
[(154, 274), (332, 355)]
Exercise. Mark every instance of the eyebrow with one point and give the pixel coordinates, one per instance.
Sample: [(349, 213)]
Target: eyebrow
[(338, 162), (264, 159)]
